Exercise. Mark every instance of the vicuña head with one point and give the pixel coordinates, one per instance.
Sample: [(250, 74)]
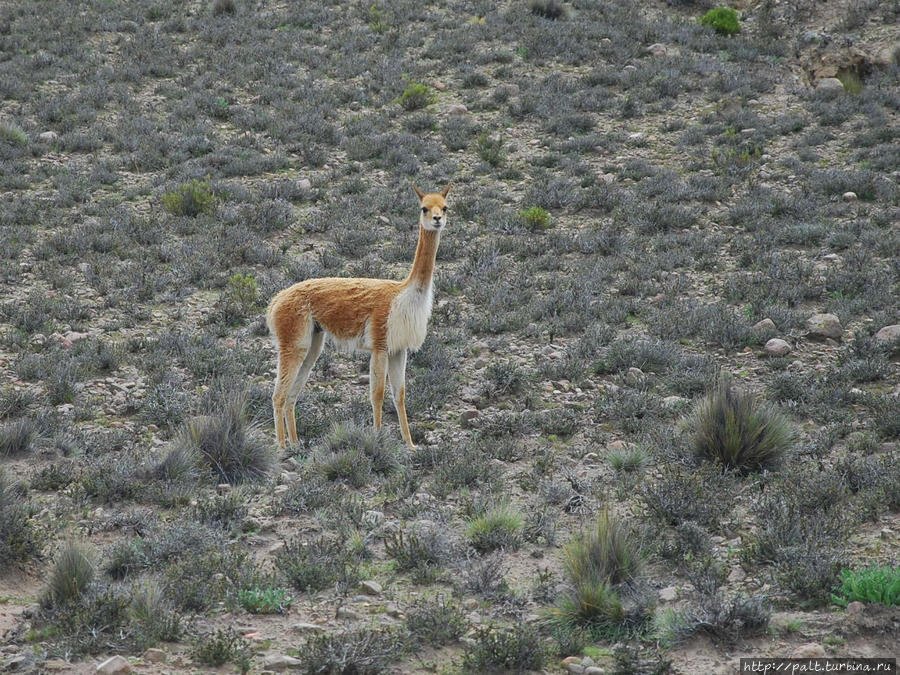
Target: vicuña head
[(384, 317)]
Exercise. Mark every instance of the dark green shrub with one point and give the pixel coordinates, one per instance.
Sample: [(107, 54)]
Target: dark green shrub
[(730, 427), (362, 651), (19, 540), (723, 20), (701, 494), (316, 565), (223, 646), (436, 622), (190, 199), (72, 575), (422, 551), (518, 649)]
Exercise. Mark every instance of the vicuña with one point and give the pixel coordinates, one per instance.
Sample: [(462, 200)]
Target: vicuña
[(384, 317)]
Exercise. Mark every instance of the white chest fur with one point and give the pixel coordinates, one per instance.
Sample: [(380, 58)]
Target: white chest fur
[(408, 320)]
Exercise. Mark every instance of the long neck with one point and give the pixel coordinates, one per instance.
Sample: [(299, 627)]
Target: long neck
[(423, 265)]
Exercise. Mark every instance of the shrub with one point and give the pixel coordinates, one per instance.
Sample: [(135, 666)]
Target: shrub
[(422, 550), (416, 95), (627, 460), (436, 622), (317, 564), (518, 649), (534, 218), (362, 651), (702, 495), (221, 647), (17, 438), (732, 428), (152, 616), (258, 600), (229, 444), (503, 378), (499, 528), (12, 134), (723, 20), (547, 9), (190, 199), (490, 149), (19, 540), (870, 585), (72, 574), (239, 297)]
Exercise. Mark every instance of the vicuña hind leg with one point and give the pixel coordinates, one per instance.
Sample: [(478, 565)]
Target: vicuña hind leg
[(289, 361), (315, 349), (377, 372), (397, 376)]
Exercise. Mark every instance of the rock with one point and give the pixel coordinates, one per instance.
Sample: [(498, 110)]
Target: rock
[(576, 668), (594, 670), (48, 136), (371, 587), (15, 662), (855, 607), (824, 326), (115, 664), (777, 347), (764, 326), (674, 401), (373, 518), (634, 376), (457, 109), (281, 662), (830, 85), (888, 335), (616, 446), (809, 651), (470, 603), (307, 628), (393, 610), (737, 575), (587, 662), (440, 86), (657, 49), (849, 197), (571, 659), (668, 594), (349, 614), (886, 533), (154, 655), (467, 417), (56, 664), (304, 184)]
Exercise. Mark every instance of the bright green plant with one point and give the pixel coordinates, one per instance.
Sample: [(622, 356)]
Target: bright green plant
[(416, 95), (723, 20), (242, 291), (535, 218), (871, 585), (258, 600)]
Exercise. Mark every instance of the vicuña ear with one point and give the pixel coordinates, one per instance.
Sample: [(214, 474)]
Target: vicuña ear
[(445, 190), (419, 192)]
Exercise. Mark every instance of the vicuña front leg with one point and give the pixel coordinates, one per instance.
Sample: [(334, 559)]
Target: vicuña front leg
[(377, 372), (397, 375)]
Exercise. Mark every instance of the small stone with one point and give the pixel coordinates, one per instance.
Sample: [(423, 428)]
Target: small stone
[(809, 651), (470, 604), (616, 446), (849, 197), (113, 665), (349, 614), (56, 664), (371, 587), (306, 628), (467, 417), (634, 376), (576, 668), (737, 575), (281, 662), (777, 347), (457, 109), (855, 607), (440, 86), (571, 659), (304, 184), (824, 326), (587, 662), (373, 518), (48, 136), (154, 655), (886, 533), (668, 594), (594, 670), (764, 326), (15, 662), (830, 85), (888, 335), (393, 610), (657, 49), (674, 401)]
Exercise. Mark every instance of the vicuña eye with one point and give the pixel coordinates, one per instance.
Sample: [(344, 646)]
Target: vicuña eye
[(425, 209)]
